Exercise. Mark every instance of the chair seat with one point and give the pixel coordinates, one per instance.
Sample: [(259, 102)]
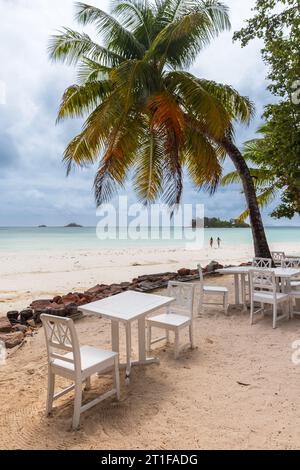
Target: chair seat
[(216, 289), (267, 297), (295, 293), (170, 319), (295, 283), (90, 357)]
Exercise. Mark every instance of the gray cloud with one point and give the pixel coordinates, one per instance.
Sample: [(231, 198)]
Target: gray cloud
[(33, 186)]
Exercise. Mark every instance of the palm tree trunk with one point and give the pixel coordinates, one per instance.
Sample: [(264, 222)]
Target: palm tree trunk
[(261, 246)]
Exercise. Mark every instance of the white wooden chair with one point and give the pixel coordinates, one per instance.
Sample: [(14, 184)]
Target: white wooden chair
[(262, 263), (179, 315), (278, 257), (211, 290), (67, 359), (292, 263), (263, 290)]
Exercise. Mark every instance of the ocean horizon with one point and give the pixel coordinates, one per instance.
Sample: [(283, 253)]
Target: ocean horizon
[(63, 238)]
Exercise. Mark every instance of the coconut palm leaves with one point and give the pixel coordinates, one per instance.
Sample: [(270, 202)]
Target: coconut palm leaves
[(142, 111)]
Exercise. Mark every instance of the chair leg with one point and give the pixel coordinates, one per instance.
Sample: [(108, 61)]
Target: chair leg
[(226, 303), (117, 378), (274, 316), (77, 404), (149, 339), (252, 313), (191, 336), (88, 384), (168, 336), (50, 392), (200, 308), (176, 353)]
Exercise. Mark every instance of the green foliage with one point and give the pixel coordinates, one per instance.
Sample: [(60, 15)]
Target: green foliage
[(142, 110), (215, 222), (276, 154)]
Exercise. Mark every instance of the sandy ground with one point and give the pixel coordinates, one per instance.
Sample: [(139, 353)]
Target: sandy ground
[(29, 275), (239, 388)]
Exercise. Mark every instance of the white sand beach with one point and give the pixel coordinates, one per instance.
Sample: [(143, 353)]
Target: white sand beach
[(29, 275), (237, 390), (237, 371)]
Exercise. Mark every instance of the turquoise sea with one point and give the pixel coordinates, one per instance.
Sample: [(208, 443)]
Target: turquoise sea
[(59, 238)]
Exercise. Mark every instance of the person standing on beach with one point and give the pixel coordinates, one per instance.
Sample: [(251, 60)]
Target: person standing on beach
[(211, 242), (219, 242)]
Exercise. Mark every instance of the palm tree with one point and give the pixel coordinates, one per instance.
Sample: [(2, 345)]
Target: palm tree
[(144, 111), (265, 181)]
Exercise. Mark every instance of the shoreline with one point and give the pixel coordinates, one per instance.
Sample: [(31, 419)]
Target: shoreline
[(29, 275)]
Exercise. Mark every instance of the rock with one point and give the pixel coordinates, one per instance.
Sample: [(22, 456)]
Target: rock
[(31, 323), (5, 325), (22, 328), (70, 299), (26, 315), (11, 340), (40, 304), (13, 316), (184, 272), (71, 309), (97, 289), (57, 300), (213, 266), (125, 285)]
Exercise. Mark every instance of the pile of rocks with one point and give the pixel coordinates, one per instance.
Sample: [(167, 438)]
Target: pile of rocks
[(12, 335), (14, 328)]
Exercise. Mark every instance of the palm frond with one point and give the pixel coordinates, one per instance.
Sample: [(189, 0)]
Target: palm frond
[(85, 148), (137, 16), (70, 46), (203, 160), (199, 102), (183, 37), (119, 156), (148, 170), (91, 71), (116, 37), (79, 100), (264, 199)]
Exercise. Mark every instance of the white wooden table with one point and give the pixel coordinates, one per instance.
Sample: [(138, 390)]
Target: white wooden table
[(126, 308), (240, 274)]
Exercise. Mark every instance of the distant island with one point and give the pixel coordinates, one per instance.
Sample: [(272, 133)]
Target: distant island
[(215, 222), (42, 226), (73, 225)]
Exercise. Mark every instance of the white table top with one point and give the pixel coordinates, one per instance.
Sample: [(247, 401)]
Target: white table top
[(295, 255), (128, 306), (279, 272)]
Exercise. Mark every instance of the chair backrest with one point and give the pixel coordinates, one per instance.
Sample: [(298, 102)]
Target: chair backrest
[(290, 263), (183, 294), (61, 338), (262, 263), (262, 281), (278, 256)]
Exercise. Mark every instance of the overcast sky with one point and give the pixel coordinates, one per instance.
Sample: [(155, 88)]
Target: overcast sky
[(33, 186)]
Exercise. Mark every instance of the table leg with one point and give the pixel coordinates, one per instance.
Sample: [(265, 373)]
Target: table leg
[(115, 336), (236, 289), (128, 352), (243, 291), (142, 339)]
